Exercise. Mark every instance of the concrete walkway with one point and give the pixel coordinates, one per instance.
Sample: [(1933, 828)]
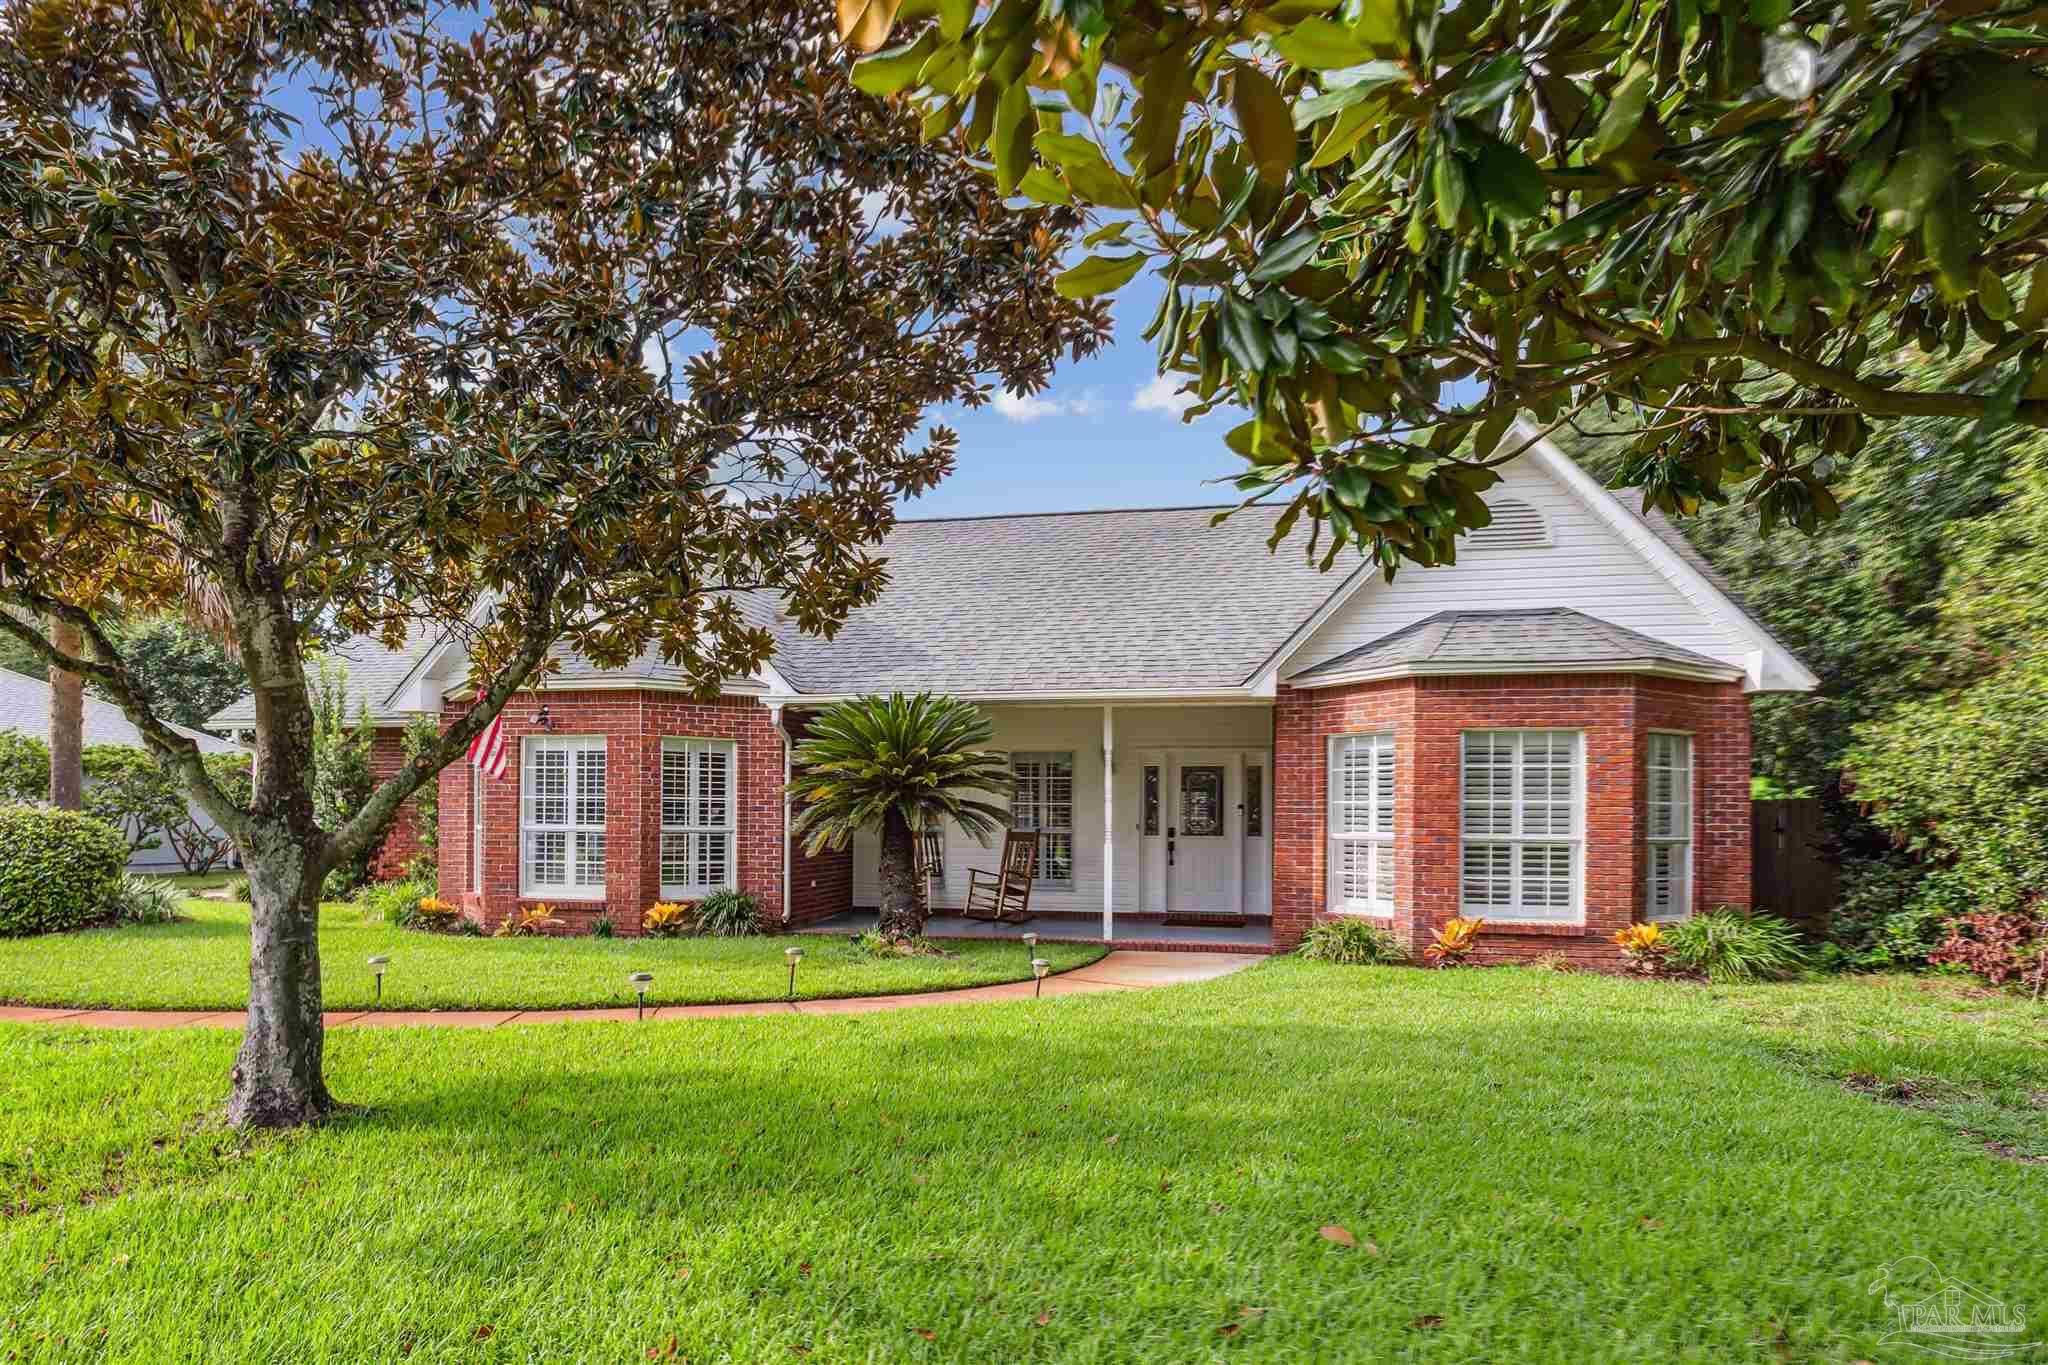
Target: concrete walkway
[(1117, 971)]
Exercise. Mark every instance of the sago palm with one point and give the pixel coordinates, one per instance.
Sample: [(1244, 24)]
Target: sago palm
[(899, 765)]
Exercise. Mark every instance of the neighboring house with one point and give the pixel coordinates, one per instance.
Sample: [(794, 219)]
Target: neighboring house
[(25, 706), (1552, 733)]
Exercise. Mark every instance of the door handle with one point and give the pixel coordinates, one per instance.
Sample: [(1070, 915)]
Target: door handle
[(1169, 846)]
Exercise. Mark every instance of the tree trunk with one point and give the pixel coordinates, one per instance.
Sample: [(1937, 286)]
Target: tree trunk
[(67, 723), (902, 911), (277, 1080)]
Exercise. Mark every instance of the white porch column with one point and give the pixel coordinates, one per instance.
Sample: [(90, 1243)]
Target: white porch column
[(1108, 821)]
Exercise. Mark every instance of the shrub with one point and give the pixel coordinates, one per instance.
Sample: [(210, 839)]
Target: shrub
[(668, 919), (1645, 949), (1736, 945), (1999, 947), (1453, 942), (728, 914), (533, 921), (125, 787), (24, 767), (602, 927), (1353, 942), (875, 943), (395, 903), (58, 869), (146, 900), (238, 887)]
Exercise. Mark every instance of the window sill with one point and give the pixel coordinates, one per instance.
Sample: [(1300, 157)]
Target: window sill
[(1548, 928), (690, 893), (1364, 911), (580, 896)]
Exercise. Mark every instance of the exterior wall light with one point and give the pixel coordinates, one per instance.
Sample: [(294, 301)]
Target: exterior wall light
[(795, 955), (640, 981), (378, 962)]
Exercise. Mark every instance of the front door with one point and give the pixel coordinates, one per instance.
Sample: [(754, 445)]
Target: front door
[(1205, 833)]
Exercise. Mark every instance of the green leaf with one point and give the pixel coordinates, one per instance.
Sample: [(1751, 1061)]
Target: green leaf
[(1098, 275), (1489, 85), (1165, 90), (895, 68), (1267, 127), (1510, 183), (1587, 224), (1010, 140), (1624, 111), (1086, 169), (1321, 45), (1242, 334), (1042, 186), (1282, 258), (954, 17), (1342, 89)]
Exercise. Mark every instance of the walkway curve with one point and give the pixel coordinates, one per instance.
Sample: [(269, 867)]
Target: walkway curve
[(1122, 970)]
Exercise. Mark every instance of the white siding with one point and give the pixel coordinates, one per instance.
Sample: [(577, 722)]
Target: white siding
[(1079, 730), (1586, 567)]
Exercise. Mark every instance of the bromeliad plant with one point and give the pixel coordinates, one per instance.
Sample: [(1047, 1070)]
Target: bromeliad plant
[(898, 765), (533, 921), (1644, 948), (668, 919), (1454, 942)]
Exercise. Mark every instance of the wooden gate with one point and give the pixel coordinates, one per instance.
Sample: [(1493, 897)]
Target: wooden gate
[(1792, 875)]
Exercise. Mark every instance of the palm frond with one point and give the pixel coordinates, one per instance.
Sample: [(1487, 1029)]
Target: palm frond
[(920, 756)]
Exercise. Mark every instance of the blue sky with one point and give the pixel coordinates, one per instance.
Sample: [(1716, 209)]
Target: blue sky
[(1103, 435)]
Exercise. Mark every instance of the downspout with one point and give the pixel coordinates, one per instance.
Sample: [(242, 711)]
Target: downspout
[(788, 746)]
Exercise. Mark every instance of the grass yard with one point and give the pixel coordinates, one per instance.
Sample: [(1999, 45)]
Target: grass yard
[(1531, 1166), (203, 963)]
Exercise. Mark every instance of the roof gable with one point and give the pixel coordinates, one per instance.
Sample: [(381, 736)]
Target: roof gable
[(1599, 557)]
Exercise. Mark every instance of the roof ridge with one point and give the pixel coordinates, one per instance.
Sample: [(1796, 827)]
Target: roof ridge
[(1073, 512)]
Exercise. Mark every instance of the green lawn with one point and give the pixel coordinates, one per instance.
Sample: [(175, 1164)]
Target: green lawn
[(1532, 1167), (203, 963)]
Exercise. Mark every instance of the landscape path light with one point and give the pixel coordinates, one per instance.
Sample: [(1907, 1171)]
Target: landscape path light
[(640, 981), (795, 955), (1039, 967), (378, 962)]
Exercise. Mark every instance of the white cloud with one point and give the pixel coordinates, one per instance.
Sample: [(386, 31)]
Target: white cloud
[(1032, 406), (1161, 394)]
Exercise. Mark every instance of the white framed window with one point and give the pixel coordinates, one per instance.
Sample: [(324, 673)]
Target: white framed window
[(1668, 824), (1520, 799), (1361, 817), (699, 816), (561, 817), (1045, 802)]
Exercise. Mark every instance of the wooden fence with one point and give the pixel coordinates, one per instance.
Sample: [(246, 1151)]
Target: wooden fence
[(1792, 875)]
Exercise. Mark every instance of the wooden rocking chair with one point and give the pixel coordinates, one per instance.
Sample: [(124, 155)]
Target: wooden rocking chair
[(931, 866), (1004, 896)]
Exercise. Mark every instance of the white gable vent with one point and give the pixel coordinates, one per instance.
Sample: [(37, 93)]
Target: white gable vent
[(1516, 525)]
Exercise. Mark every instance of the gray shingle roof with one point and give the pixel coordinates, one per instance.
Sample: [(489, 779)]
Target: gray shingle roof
[(1493, 639), (25, 706), (373, 673), (1152, 599)]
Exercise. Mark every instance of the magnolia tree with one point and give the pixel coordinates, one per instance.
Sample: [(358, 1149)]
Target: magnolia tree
[(1720, 219), (554, 332)]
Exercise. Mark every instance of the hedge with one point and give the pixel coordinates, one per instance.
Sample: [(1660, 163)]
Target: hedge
[(58, 869)]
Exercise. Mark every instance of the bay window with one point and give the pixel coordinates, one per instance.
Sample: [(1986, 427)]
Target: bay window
[(1519, 805), (1361, 820), (561, 817), (1668, 869)]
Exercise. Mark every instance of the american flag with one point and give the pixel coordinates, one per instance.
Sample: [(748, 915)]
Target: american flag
[(487, 750)]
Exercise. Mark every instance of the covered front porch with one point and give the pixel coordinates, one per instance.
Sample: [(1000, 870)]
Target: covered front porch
[(1154, 820)]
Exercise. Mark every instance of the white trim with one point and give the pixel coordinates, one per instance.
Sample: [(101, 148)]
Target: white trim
[(688, 746), (1141, 696), (1263, 682), (1108, 822), (1662, 668), (608, 683), (1771, 667), (1047, 758), (779, 720)]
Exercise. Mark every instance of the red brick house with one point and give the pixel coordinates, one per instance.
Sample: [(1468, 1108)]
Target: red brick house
[(1216, 745)]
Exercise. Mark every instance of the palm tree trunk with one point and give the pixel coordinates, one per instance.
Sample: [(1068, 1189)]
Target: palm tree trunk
[(902, 914), (67, 723)]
